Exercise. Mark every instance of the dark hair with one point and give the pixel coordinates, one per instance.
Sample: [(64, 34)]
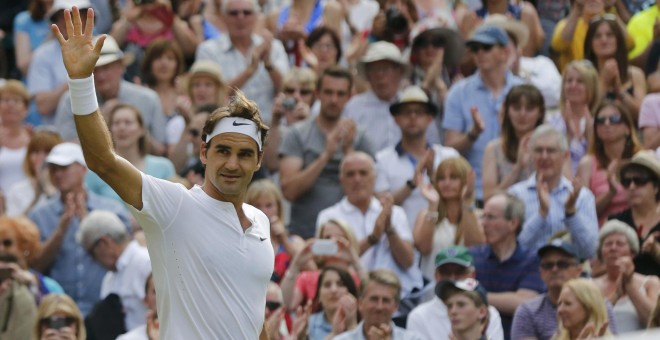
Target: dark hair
[(142, 142), (207, 108), (345, 278), (37, 10), (336, 72), (596, 145), (239, 106), (621, 54), (316, 34), (509, 137), (155, 50)]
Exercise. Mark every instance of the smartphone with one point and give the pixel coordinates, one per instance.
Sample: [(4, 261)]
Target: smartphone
[(325, 247), (56, 322), (6, 273)]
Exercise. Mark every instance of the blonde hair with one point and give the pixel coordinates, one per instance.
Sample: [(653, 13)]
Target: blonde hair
[(265, 187), (27, 237), (302, 76), (460, 167), (589, 76), (348, 232), (59, 303), (591, 299)]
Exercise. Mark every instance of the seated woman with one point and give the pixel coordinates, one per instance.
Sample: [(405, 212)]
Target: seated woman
[(641, 179), (507, 159), (301, 280), (130, 141), (336, 296), (581, 311), (58, 317), (264, 195), (614, 140), (605, 47), (579, 97), (633, 295), (20, 238), (449, 219), (24, 195)]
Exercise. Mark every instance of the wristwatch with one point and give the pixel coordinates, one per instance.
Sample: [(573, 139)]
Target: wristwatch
[(411, 184)]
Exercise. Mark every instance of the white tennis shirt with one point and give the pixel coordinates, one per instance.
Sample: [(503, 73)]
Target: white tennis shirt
[(210, 275)]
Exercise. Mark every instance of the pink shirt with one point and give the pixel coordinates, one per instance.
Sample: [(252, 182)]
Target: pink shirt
[(600, 186)]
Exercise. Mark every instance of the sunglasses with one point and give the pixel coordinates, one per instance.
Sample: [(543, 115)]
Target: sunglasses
[(423, 43), (236, 12), (303, 92), (273, 305), (607, 16), (476, 47), (638, 180), (613, 120), (559, 264), (7, 242)]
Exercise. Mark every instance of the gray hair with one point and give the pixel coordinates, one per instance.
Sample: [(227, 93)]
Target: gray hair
[(99, 223), (618, 227), (255, 5), (545, 130), (514, 210), (357, 155)]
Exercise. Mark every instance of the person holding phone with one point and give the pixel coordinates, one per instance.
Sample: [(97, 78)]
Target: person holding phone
[(211, 256), (18, 307), (58, 317)]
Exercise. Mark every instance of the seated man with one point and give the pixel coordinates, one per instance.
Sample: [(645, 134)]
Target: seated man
[(504, 267), (58, 220), (467, 304), (107, 241), (431, 319), (379, 300), (381, 227), (552, 202), (537, 318)]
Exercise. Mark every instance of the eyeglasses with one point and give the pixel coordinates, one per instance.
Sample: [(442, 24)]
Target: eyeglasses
[(488, 217), (303, 92), (273, 305), (476, 47), (322, 46), (236, 12), (638, 180), (562, 265), (437, 43), (613, 120), (7, 242), (550, 151)]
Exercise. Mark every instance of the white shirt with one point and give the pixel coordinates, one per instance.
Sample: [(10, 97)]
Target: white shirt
[(129, 281), (210, 274), (541, 72), (394, 167), (431, 320), (379, 255), (139, 333)]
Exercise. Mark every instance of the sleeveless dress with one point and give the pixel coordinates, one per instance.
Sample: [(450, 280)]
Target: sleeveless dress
[(443, 238), (625, 314), (599, 185)]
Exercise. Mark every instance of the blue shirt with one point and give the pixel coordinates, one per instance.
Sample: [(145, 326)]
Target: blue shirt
[(537, 230), (73, 268), (37, 31), (520, 271), (469, 92), (319, 327)]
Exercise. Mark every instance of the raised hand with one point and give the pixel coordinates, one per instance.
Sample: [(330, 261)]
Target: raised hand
[(381, 332), (544, 196), (569, 206), (78, 51), (348, 130), (478, 124), (427, 190), (612, 177)]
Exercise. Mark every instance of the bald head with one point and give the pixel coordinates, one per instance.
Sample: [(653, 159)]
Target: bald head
[(357, 175)]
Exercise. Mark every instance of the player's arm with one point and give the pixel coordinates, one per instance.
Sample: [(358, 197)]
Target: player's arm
[(80, 56)]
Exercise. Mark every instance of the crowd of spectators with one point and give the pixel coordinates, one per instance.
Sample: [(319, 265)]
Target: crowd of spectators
[(434, 169)]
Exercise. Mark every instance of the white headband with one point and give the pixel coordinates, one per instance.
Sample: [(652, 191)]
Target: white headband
[(238, 125)]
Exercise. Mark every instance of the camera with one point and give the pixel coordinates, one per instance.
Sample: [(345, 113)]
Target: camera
[(5, 273), (143, 2), (58, 322), (289, 103), (395, 19)]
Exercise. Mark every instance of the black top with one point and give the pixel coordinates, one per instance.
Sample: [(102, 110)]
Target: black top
[(644, 264)]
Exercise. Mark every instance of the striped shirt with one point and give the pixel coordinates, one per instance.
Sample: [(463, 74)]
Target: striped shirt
[(537, 230)]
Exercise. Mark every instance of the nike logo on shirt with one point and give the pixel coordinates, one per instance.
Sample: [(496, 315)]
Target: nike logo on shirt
[(263, 238)]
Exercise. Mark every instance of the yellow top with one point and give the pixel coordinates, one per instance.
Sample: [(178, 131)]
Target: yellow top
[(640, 27)]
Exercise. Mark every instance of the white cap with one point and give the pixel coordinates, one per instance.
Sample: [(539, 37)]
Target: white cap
[(110, 52), (65, 154), (59, 5)]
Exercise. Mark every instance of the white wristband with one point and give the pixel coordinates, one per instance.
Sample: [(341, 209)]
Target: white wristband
[(83, 96)]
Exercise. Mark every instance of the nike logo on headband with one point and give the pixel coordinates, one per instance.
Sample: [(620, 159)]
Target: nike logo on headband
[(238, 124)]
